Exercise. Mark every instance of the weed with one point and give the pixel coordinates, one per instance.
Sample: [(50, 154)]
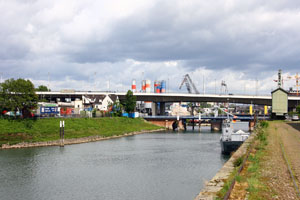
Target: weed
[(238, 178), (264, 124), (238, 161)]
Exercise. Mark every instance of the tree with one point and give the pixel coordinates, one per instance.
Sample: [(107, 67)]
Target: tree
[(42, 88), (18, 95), (298, 109), (130, 102)]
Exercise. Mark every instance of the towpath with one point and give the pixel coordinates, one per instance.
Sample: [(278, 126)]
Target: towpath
[(283, 138)]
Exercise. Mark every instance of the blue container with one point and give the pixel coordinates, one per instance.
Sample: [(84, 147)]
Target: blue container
[(163, 87), (88, 109), (124, 114), (49, 110)]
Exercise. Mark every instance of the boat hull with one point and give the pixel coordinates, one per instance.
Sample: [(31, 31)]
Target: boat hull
[(230, 146)]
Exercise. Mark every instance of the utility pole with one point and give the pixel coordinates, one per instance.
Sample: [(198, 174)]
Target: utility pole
[(168, 85), (203, 85), (95, 81), (48, 80), (88, 83), (108, 85), (215, 86), (256, 87)]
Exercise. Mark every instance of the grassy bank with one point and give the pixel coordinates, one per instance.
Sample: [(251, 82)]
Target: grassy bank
[(17, 131), (249, 181)]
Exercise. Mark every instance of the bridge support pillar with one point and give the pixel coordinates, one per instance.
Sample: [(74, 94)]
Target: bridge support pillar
[(216, 125), (154, 108), (199, 125), (162, 108)]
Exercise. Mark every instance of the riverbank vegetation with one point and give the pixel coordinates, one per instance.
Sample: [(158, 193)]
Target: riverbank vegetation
[(271, 170), (249, 181), (13, 131)]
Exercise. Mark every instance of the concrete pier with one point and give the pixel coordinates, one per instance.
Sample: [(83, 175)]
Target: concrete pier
[(216, 125), (162, 108)]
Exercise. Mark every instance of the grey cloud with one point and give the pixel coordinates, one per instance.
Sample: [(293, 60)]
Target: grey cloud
[(253, 37), (200, 38)]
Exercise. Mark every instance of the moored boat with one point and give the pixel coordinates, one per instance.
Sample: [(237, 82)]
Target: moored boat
[(230, 140)]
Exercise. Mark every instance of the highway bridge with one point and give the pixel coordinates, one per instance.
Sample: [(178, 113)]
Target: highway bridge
[(174, 97)]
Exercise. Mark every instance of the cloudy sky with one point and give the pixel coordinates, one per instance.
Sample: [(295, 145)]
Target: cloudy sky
[(86, 44)]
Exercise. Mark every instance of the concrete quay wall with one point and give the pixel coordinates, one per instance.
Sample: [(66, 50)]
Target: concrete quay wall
[(209, 192)]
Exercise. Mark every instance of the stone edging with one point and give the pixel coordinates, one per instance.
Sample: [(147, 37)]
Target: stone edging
[(217, 182), (73, 141)]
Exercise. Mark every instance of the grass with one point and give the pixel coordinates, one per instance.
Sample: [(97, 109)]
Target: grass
[(256, 187), (227, 184), (251, 172), (17, 131)]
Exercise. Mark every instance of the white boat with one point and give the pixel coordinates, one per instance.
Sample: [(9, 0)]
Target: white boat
[(230, 140)]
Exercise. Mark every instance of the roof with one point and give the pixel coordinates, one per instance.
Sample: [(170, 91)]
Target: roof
[(279, 89), (113, 97), (99, 98)]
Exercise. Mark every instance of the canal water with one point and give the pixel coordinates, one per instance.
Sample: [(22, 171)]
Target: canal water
[(158, 166)]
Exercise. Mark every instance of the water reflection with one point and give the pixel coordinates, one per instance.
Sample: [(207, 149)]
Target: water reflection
[(168, 165)]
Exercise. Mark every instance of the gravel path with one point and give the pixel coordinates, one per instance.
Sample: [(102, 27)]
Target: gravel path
[(275, 172)]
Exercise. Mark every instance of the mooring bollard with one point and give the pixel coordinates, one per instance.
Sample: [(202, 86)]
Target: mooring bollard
[(60, 126), (62, 132), (178, 123), (63, 135), (199, 118)]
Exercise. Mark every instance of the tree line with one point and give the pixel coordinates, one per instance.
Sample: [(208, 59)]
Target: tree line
[(20, 95)]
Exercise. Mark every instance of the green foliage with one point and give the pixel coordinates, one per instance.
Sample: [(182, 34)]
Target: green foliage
[(238, 161), (18, 95), (252, 175), (238, 178), (17, 131), (298, 109), (227, 184), (116, 109), (28, 123), (205, 105), (130, 102), (42, 88), (256, 188), (264, 124)]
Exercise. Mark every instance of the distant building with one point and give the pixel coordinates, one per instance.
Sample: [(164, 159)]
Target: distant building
[(279, 102), (98, 102)]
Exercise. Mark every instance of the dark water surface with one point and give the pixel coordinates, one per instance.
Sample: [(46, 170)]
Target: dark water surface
[(154, 166)]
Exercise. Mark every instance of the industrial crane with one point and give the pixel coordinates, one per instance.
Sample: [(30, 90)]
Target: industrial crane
[(188, 83), (224, 88), (297, 78), (281, 79)]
